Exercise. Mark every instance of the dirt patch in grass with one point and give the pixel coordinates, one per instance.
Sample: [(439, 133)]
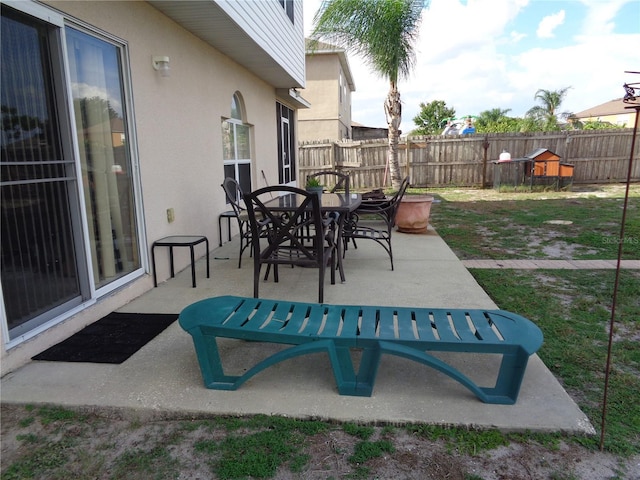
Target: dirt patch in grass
[(480, 224), (115, 445)]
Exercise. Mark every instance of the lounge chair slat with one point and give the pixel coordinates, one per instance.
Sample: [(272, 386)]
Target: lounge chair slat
[(405, 325), (262, 311), (424, 326), (459, 318), (332, 322), (369, 322), (445, 331), (481, 323), (314, 321), (386, 328), (245, 308)]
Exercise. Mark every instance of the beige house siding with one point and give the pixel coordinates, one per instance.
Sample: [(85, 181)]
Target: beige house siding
[(614, 111), (179, 145), (328, 89), (620, 119)]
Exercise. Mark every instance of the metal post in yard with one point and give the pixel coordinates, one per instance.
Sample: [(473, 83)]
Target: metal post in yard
[(631, 97)]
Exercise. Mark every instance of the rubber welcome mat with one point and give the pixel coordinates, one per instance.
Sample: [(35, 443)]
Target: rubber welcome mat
[(112, 339)]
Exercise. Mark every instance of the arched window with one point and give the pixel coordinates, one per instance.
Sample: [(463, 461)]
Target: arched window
[(236, 144)]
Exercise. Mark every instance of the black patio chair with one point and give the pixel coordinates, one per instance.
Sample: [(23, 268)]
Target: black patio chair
[(232, 190), (374, 213), (281, 214)]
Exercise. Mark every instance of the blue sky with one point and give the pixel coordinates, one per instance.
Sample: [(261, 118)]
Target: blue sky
[(482, 54)]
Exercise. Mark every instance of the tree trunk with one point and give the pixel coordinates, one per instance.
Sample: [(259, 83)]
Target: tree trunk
[(393, 112)]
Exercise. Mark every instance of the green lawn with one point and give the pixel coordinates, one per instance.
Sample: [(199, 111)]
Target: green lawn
[(572, 307)]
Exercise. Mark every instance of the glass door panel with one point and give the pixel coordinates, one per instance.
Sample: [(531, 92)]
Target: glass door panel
[(107, 175), (37, 184)]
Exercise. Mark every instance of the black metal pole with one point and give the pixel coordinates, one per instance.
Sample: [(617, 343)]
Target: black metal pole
[(617, 282)]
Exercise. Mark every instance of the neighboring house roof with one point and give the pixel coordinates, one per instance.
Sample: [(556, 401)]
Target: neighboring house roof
[(314, 47), (613, 107), (359, 125)]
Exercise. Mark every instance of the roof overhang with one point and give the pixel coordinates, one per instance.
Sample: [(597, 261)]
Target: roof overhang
[(293, 97), (210, 22)]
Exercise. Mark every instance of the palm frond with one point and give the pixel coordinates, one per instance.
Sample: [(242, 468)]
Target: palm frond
[(381, 32)]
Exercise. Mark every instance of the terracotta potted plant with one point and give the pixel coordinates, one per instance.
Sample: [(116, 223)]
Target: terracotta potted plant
[(413, 213)]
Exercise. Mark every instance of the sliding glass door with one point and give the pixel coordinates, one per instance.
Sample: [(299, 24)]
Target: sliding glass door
[(69, 229)]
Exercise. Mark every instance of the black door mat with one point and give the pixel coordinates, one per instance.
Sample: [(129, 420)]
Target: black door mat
[(112, 339)]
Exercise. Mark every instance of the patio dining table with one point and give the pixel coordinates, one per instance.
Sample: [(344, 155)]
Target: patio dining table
[(329, 202)]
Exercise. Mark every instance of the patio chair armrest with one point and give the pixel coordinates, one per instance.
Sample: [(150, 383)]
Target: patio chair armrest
[(373, 204)]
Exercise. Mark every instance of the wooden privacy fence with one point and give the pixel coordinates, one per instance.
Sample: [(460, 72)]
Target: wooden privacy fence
[(469, 160)]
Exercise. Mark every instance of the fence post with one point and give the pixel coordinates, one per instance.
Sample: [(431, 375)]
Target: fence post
[(333, 155), (408, 147), (567, 148), (485, 145)]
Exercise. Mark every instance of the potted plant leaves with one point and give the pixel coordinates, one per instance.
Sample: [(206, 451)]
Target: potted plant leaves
[(314, 186)]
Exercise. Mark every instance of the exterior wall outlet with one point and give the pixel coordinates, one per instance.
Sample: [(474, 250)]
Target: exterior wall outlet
[(171, 216)]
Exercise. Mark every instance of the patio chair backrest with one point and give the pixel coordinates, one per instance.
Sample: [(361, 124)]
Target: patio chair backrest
[(232, 191), (340, 181), (385, 210), (396, 199), (296, 233)]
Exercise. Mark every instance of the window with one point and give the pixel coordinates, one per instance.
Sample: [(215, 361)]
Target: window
[(288, 8), (343, 92), (236, 145)]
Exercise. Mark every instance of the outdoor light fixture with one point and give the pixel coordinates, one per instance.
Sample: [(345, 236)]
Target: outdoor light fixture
[(161, 64)]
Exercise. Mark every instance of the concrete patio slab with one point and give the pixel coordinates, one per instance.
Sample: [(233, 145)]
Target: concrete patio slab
[(164, 377)]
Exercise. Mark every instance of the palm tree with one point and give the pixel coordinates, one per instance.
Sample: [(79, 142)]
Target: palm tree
[(383, 32), (547, 113), (493, 116), (490, 120)]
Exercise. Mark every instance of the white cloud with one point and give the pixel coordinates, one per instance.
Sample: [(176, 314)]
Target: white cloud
[(549, 23), (515, 37), (448, 27), (470, 57), (600, 15)]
